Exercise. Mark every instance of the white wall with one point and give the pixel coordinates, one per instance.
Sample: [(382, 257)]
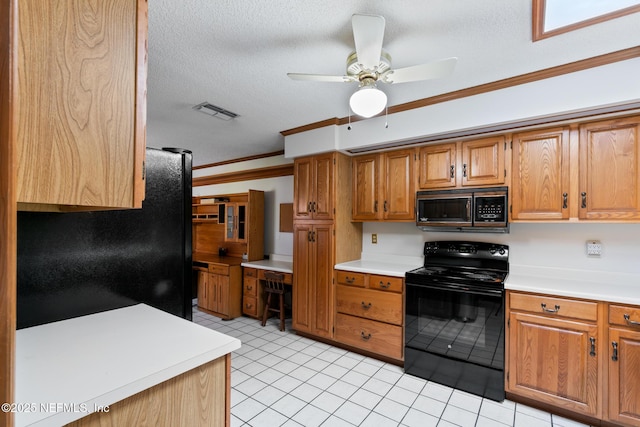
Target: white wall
[(276, 191), (548, 245)]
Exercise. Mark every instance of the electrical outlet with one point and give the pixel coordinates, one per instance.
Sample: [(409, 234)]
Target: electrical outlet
[(594, 248), (374, 239)]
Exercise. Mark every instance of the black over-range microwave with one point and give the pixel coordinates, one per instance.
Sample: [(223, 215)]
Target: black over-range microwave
[(473, 210)]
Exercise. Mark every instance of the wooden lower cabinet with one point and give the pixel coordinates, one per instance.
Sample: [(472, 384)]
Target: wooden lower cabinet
[(220, 291), (252, 300), (624, 364), (369, 313), (576, 355), (552, 361)]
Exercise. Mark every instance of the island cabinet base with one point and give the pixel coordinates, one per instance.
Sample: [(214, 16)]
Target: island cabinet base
[(199, 397)]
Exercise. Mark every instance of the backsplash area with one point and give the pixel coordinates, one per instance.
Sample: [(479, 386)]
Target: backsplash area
[(547, 245)]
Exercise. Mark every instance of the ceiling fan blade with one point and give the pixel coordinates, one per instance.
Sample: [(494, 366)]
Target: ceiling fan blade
[(368, 33), (321, 78), (432, 70)]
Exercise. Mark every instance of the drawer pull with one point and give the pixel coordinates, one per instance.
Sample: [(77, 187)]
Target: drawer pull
[(365, 337), (593, 346), (249, 288), (548, 310), (365, 306), (614, 356), (385, 285), (349, 280), (249, 305), (627, 318)]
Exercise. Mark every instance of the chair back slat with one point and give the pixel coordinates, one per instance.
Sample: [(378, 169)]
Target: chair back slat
[(274, 282)]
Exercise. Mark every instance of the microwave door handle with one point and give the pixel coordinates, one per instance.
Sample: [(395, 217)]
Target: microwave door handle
[(469, 209)]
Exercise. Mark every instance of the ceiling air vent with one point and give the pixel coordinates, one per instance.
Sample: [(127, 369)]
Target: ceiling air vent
[(215, 111)]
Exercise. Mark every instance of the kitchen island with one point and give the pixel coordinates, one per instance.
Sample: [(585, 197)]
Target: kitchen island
[(128, 366)]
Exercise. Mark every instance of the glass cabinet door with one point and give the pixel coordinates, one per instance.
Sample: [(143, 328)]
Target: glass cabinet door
[(242, 222), (230, 222)]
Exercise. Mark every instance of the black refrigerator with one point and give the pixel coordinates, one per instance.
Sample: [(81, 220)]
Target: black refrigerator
[(77, 263)]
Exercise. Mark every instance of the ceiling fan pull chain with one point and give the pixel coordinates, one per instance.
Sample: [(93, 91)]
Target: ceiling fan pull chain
[(386, 117)]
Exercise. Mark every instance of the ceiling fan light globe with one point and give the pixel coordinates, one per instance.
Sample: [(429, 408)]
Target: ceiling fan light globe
[(368, 101)]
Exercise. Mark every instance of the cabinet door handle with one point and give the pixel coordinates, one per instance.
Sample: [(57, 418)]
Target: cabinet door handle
[(385, 206), (313, 206), (593, 346), (385, 285), (584, 200), (548, 310), (614, 356), (564, 200), (452, 171), (365, 306), (309, 207), (630, 322), (464, 170), (375, 206), (365, 337)]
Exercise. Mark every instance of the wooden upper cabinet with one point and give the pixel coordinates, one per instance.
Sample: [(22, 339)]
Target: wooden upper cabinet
[(540, 175), (463, 164), (383, 186), (366, 187), (483, 161), (81, 104), (438, 166), (313, 187), (610, 169)]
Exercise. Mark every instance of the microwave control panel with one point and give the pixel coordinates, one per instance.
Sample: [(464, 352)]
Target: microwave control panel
[(490, 209)]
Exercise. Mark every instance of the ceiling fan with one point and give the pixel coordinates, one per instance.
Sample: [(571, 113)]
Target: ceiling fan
[(370, 64)]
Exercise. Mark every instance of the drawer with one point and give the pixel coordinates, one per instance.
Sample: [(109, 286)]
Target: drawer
[(370, 304), (222, 269), (350, 278), (385, 283), (376, 337), (288, 278), (250, 272), (250, 287), (541, 304), (250, 306), (618, 315)]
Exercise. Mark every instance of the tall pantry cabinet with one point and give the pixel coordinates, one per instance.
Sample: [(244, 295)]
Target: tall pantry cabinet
[(323, 236)]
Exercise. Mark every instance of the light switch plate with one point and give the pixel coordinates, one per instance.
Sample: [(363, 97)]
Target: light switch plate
[(594, 248)]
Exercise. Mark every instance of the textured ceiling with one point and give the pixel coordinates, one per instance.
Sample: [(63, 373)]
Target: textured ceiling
[(236, 53)]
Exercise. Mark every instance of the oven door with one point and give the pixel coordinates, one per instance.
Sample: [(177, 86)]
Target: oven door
[(455, 336), (453, 210)]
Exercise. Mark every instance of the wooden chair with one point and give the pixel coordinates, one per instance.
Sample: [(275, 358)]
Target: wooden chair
[(274, 286)]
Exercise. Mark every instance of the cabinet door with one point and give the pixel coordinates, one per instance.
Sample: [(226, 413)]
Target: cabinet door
[(302, 276), (610, 169), (399, 189), (81, 82), (483, 161), (302, 187), (322, 274), (540, 175), (322, 203), (554, 361), (365, 187), (437, 166), (624, 376), (230, 223), (203, 290), (222, 294)]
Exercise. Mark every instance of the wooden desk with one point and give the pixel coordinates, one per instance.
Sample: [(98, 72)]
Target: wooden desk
[(253, 284)]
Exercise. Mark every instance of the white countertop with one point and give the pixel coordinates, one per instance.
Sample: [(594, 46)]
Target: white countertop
[(67, 368), (387, 265), (283, 264), (587, 284)]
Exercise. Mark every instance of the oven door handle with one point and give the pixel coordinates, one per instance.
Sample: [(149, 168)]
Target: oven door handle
[(456, 288)]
